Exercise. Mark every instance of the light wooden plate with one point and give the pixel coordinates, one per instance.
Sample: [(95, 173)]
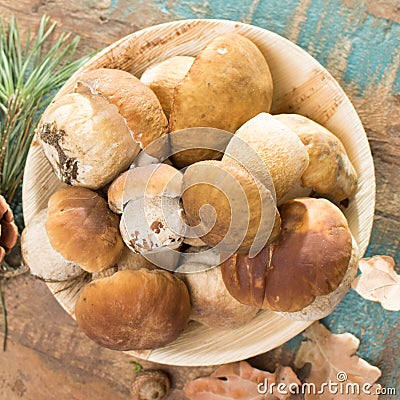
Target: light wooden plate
[(301, 85)]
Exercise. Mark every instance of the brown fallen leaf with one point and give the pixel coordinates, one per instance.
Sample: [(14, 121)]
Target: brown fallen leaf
[(379, 282), (240, 381), (333, 359)]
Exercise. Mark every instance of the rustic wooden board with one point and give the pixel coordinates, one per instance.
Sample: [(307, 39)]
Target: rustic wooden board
[(357, 40)]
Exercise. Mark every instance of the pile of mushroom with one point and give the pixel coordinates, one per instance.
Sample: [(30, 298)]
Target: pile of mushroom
[(185, 199)]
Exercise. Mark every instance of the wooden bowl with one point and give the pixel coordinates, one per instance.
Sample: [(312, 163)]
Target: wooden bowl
[(301, 85)]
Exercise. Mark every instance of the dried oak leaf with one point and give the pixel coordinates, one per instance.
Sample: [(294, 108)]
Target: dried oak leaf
[(379, 282), (333, 359), (240, 381), (8, 229)]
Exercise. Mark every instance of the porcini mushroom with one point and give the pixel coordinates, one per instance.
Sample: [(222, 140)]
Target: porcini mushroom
[(83, 229), (163, 77), (243, 212), (86, 140), (134, 310), (283, 154), (135, 102), (228, 83), (307, 270), (330, 172), (39, 255), (152, 222), (212, 304)]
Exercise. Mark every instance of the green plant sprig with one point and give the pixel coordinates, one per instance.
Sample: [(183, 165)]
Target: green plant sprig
[(29, 76)]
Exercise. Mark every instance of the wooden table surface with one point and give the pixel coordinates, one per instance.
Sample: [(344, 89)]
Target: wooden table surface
[(358, 41)]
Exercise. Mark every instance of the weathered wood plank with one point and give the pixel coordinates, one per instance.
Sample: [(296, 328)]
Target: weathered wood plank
[(359, 43)]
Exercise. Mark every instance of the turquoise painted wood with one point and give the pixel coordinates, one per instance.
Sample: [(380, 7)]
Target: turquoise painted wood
[(358, 41)]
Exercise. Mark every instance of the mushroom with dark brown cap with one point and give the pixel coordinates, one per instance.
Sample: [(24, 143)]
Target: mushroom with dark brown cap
[(330, 172), (83, 229), (307, 270), (134, 310), (244, 210)]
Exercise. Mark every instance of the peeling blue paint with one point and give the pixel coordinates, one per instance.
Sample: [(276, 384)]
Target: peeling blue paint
[(377, 45), (113, 6)]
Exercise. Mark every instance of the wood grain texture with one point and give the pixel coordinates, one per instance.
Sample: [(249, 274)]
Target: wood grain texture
[(358, 41)]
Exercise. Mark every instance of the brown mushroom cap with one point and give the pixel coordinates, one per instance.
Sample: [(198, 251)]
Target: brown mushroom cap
[(86, 140), (82, 228), (330, 171), (134, 310), (228, 83), (137, 104), (306, 268), (311, 255), (244, 210), (163, 77), (244, 276), (283, 154), (150, 180)]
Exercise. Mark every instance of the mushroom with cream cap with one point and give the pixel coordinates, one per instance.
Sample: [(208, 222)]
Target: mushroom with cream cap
[(330, 172), (152, 221)]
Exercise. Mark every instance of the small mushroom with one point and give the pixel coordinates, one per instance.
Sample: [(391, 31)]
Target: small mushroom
[(228, 83), (212, 304), (163, 77), (330, 172), (151, 385), (307, 270), (8, 229), (82, 228), (152, 221), (227, 207), (39, 255), (283, 154), (134, 310)]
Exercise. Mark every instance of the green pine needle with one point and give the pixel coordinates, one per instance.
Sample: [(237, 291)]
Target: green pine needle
[(29, 76)]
